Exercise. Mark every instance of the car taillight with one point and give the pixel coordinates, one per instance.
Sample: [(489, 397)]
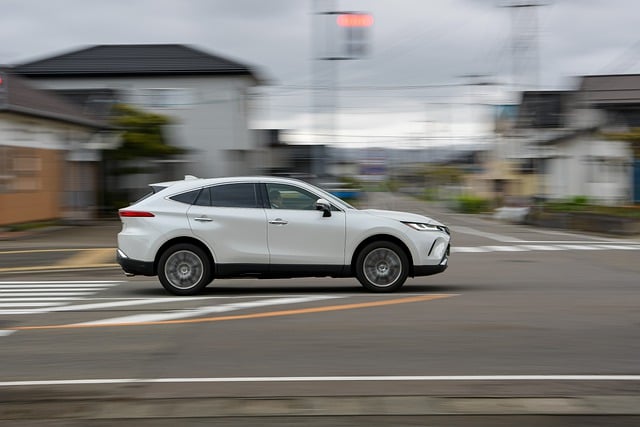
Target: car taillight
[(136, 214)]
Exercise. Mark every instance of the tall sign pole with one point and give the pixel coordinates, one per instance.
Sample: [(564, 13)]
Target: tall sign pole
[(338, 36)]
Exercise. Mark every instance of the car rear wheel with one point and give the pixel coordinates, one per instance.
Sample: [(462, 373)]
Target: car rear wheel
[(382, 267), (184, 269)]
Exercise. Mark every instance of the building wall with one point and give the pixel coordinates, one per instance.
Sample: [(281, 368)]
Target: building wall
[(34, 194), (211, 116), (35, 160), (598, 169)]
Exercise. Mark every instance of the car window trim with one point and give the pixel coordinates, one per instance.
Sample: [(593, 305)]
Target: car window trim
[(266, 197)]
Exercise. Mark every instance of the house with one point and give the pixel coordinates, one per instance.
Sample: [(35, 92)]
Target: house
[(614, 101), (49, 155), (560, 137), (205, 95)]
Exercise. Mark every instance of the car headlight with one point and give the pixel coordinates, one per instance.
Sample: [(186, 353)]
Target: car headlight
[(420, 226)]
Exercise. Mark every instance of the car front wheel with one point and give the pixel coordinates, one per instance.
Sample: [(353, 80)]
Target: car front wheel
[(382, 267), (184, 269)]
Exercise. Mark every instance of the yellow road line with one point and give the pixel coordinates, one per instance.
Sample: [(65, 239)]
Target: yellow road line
[(85, 258), (89, 257), (247, 316)]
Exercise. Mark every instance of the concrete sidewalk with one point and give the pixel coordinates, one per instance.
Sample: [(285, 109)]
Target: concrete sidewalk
[(90, 234), (69, 247)]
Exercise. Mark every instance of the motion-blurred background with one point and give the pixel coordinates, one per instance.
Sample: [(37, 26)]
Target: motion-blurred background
[(485, 105)]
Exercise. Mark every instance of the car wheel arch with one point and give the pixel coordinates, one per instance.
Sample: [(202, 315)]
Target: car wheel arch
[(382, 238), (178, 240)]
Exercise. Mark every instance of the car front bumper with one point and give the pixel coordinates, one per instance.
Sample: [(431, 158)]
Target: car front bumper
[(428, 270)]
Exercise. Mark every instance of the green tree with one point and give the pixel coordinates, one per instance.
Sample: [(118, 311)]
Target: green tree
[(142, 139), (142, 135)]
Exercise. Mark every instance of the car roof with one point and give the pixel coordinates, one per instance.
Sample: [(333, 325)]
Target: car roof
[(194, 182)]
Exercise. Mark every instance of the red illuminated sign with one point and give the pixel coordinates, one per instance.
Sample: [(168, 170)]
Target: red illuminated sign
[(355, 20)]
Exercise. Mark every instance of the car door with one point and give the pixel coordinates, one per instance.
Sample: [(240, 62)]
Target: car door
[(300, 235), (231, 219)]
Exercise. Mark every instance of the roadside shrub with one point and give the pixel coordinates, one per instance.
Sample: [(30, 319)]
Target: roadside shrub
[(579, 200), (472, 204)]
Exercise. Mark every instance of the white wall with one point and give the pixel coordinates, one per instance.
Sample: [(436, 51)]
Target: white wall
[(592, 167), (23, 131), (211, 115)]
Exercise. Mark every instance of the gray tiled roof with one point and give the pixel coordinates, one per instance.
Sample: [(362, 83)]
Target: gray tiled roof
[(133, 59), (19, 97)]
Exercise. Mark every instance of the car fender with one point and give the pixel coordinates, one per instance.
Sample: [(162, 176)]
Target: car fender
[(353, 240)]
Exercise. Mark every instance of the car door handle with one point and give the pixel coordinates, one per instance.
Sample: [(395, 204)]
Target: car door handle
[(203, 219), (278, 221)]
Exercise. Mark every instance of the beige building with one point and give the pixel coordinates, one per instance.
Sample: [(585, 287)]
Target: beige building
[(49, 155)]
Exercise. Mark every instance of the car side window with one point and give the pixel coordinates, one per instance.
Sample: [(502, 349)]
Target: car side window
[(189, 197), (240, 195), (284, 196)]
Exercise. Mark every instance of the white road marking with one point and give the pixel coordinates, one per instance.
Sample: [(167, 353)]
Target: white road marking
[(33, 297), (42, 299), (505, 248), (546, 247), (29, 304), (42, 294), (101, 305), (61, 284), (492, 236), (125, 302), (57, 290), (195, 312), (58, 282), (470, 378), (550, 242), (542, 247), (620, 247), (471, 249), (4, 333), (580, 247)]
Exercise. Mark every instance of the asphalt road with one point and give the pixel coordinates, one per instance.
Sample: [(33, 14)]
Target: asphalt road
[(538, 326)]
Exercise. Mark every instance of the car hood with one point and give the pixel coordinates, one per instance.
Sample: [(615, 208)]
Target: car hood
[(403, 216)]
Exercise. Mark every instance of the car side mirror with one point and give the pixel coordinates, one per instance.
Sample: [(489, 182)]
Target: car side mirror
[(324, 206)]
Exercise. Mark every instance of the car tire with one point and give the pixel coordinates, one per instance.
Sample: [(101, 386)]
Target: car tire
[(184, 269), (382, 266)]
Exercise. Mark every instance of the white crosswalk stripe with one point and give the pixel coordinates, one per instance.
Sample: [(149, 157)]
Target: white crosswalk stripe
[(30, 297), (549, 247)]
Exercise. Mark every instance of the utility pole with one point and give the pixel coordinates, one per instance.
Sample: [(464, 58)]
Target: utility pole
[(336, 36), (525, 57)]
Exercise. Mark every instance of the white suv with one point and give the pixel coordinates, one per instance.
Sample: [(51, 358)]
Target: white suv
[(192, 231)]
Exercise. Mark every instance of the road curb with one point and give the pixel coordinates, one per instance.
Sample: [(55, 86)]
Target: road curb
[(189, 407)]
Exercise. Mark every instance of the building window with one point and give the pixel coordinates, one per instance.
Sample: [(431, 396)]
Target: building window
[(20, 170), (166, 98)]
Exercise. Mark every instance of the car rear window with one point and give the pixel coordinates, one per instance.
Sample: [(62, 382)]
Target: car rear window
[(189, 197)]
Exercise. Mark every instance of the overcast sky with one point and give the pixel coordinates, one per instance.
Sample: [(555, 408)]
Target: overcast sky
[(411, 84)]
